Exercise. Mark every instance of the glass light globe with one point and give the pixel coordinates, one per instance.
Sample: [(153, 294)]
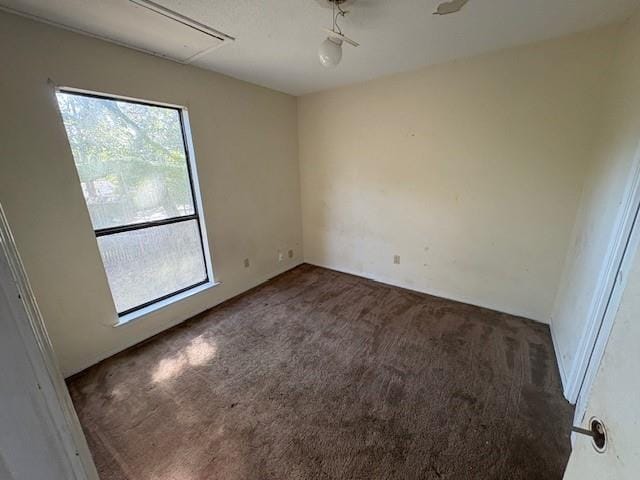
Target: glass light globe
[(330, 52)]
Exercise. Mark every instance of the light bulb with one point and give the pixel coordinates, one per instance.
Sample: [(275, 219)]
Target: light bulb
[(330, 52)]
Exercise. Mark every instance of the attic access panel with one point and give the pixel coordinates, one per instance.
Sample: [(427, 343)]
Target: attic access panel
[(142, 25)]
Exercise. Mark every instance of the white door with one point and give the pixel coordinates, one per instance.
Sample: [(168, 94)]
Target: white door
[(615, 395), (40, 437)]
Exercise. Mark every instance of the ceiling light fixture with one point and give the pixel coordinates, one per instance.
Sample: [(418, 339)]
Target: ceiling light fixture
[(330, 51)]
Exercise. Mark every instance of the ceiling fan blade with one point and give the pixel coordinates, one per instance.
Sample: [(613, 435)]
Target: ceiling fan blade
[(339, 36), (445, 8)]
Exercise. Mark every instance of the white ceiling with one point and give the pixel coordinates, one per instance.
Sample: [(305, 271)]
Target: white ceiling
[(277, 40)]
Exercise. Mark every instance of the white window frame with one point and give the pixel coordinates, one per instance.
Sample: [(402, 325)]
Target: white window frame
[(156, 304)]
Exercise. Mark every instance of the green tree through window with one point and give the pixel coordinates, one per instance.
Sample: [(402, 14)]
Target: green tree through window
[(134, 172)]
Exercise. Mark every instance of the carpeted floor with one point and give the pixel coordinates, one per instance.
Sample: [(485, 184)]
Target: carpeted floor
[(322, 375)]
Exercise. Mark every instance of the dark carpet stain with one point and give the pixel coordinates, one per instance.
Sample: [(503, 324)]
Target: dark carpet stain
[(321, 375)]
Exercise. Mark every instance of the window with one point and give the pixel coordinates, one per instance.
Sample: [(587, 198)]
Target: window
[(133, 162)]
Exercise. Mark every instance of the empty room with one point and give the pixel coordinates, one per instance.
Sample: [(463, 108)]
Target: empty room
[(319, 239)]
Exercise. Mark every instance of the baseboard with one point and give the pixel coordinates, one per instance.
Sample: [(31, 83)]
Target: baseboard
[(563, 373), (394, 283)]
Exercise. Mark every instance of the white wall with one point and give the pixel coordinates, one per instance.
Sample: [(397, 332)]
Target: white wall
[(247, 159), (607, 178), (470, 171)]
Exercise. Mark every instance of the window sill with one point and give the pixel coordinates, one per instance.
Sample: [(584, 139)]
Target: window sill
[(143, 312)]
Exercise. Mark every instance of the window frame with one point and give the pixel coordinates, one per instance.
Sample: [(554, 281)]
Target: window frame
[(187, 140)]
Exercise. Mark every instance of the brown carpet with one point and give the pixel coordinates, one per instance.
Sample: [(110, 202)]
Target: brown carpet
[(322, 375)]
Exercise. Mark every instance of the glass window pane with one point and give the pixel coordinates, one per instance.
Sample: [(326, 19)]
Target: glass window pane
[(130, 159), (146, 264)]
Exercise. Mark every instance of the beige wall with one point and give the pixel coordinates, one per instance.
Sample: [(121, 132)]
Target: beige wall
[(470, 171), (608, 177), (616, 389), (247, 160)]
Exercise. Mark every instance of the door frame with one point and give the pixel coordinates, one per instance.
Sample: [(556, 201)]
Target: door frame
[(35, 341), (607, 295)]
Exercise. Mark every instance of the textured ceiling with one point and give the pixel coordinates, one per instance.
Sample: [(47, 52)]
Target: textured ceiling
[(277, 40)]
